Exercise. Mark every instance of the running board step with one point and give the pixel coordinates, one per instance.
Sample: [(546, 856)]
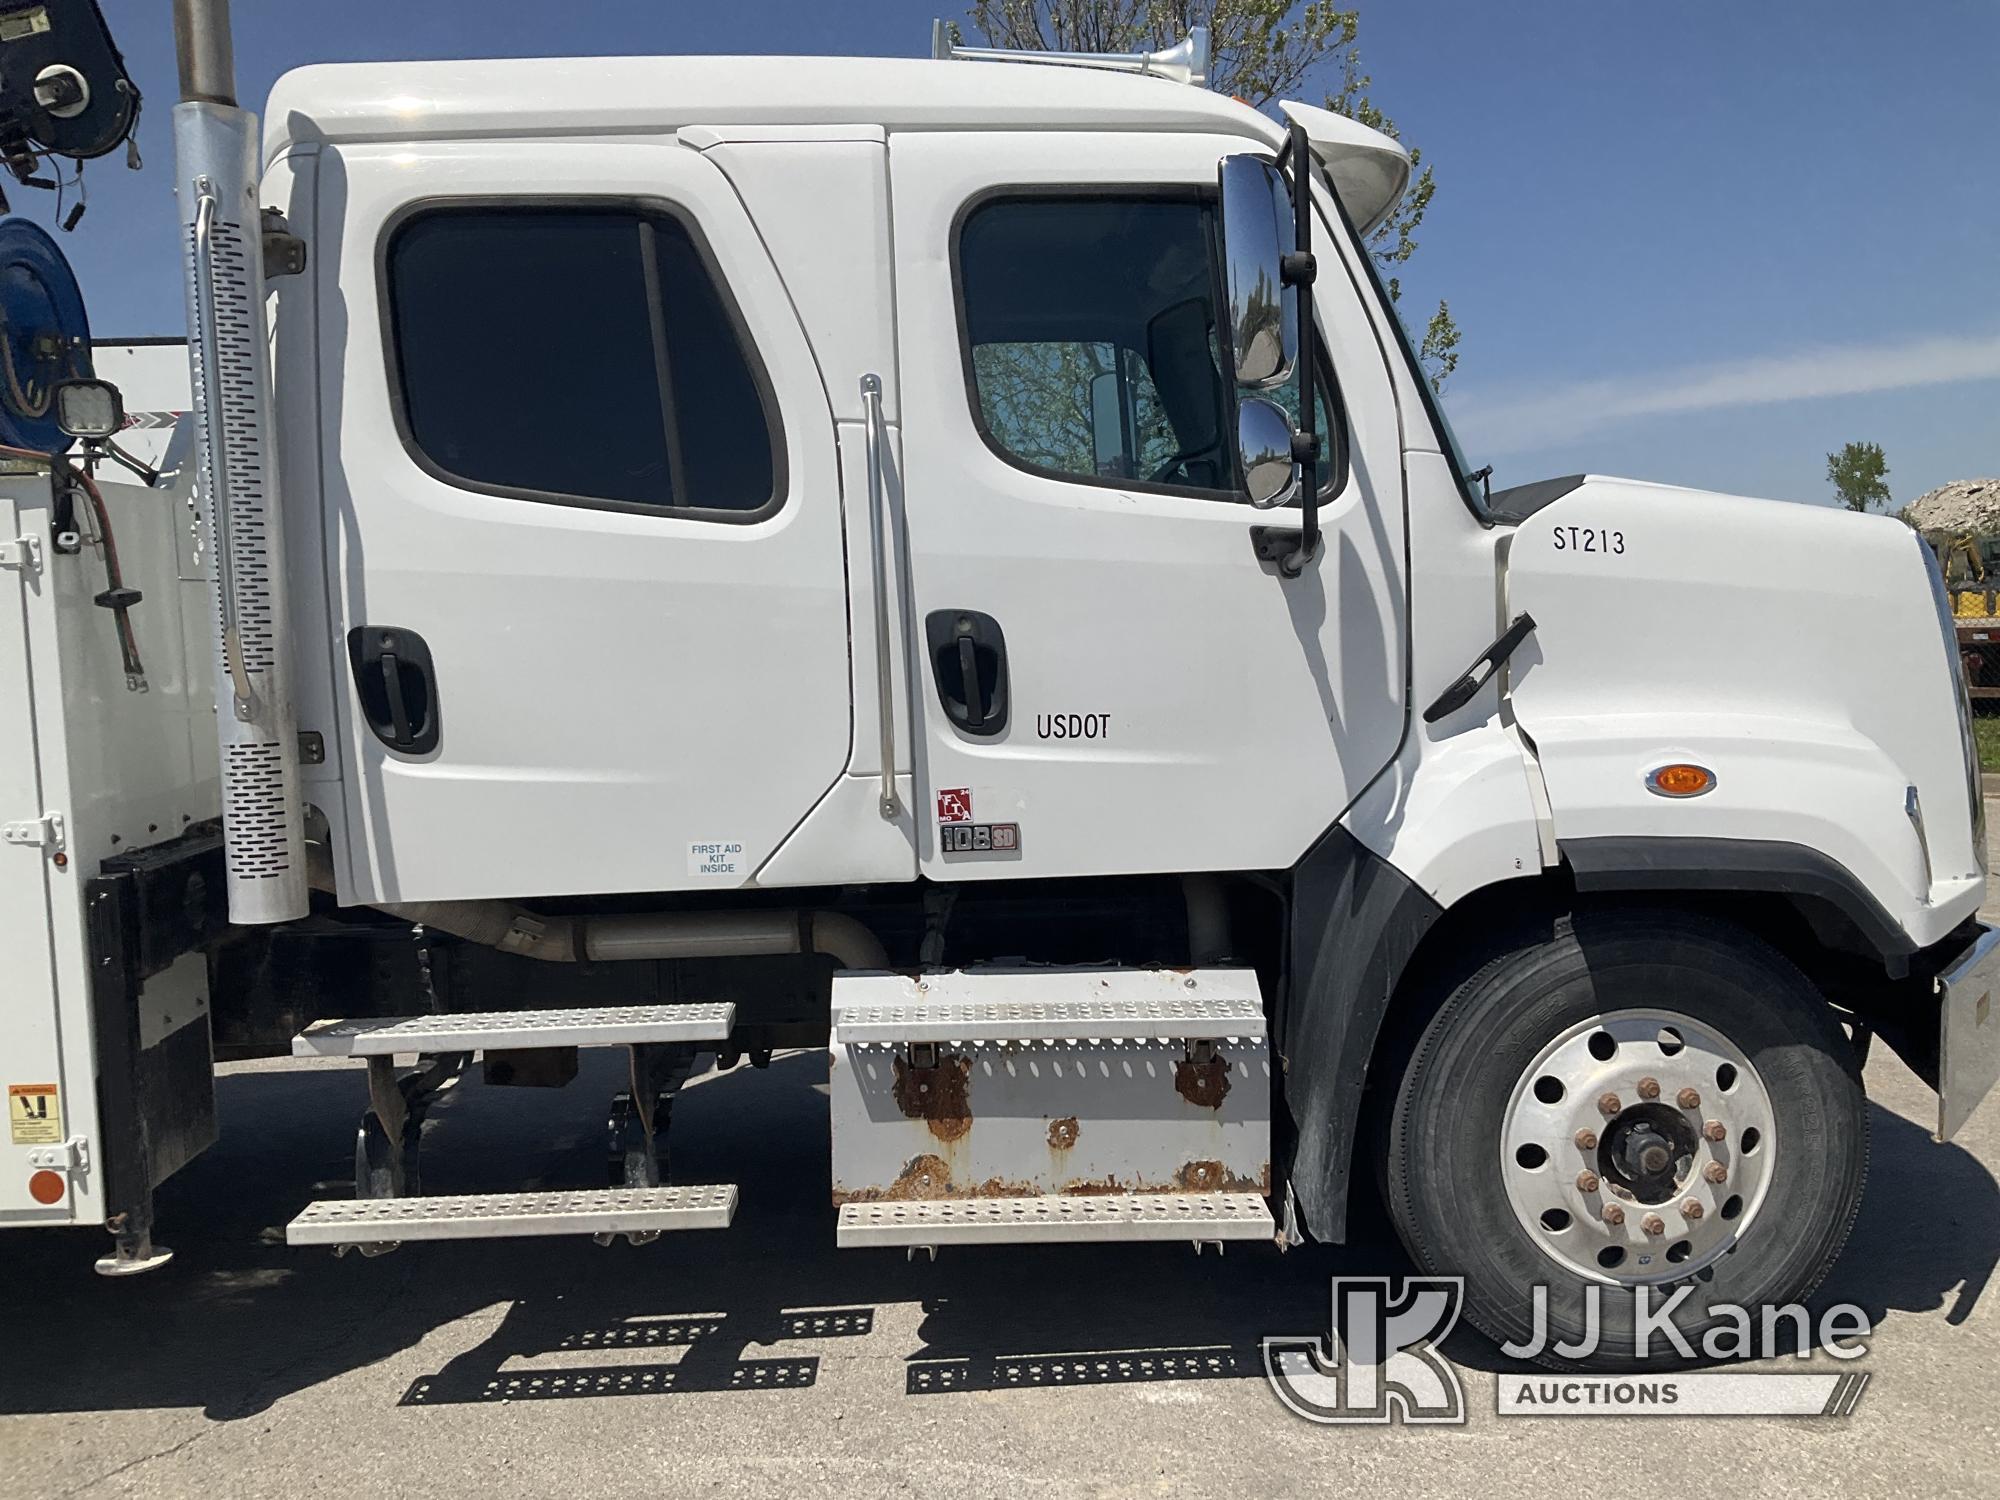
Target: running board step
[(1200, 1217), (503, 1030), (1048, 1005), (492, 1216)]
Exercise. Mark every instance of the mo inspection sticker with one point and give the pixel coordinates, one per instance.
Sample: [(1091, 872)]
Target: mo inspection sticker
[(34, 1114)]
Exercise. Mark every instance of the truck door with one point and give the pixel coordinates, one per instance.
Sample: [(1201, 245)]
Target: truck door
[(1111, 680), (583, 524)]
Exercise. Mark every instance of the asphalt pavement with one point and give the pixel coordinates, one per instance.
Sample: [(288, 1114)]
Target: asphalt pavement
[(761, 1360)]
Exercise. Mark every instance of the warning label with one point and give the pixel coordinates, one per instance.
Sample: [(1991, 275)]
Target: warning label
[(34, 1114)]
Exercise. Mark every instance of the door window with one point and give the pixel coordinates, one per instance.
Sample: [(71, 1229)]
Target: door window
[(586, 355), (1092, 352)]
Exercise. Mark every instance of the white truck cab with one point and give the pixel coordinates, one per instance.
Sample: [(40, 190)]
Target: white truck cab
[(954, 563)]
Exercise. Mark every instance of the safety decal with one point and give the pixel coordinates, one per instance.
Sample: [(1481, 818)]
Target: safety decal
[(34, 1114)]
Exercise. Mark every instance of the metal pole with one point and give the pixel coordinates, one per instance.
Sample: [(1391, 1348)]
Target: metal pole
[(203, 49), (1302, 269)]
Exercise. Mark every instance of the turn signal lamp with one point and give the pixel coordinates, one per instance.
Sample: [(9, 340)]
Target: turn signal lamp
[(1681, 779)]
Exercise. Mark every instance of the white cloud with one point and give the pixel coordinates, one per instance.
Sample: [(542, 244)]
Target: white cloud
[(1496, 421)]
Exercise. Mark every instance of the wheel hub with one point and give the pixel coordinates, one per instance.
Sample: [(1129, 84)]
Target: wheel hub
[(1637, 1147), (1647, 1152)]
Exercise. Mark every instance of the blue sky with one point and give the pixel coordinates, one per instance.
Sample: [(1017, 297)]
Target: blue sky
[(1703, 242)]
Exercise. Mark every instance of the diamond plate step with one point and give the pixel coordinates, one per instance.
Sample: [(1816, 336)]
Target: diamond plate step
[(495, 1031), (1048, 1005), (1037, 1221), (492, 1216)]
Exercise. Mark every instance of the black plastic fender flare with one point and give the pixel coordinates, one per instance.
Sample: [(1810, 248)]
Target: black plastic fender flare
[(1760, 865)]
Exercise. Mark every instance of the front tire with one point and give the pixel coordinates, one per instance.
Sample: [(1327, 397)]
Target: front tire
[(1644, 1100)]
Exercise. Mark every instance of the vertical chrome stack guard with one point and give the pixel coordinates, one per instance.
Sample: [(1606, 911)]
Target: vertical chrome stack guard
[(215, 147)]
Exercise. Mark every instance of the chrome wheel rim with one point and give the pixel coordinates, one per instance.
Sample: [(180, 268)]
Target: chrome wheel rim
[(1637, 1149)]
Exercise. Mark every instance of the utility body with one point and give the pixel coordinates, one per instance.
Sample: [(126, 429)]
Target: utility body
[(955, 564)]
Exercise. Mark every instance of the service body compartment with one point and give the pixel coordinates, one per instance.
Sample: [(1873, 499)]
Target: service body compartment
[(42, 1101), (110, 872)]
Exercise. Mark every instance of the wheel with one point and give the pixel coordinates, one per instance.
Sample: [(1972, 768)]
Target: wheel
[(1644, 1100)]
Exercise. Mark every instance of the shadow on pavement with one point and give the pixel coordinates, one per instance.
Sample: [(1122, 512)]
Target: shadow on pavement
[(240, 1320)]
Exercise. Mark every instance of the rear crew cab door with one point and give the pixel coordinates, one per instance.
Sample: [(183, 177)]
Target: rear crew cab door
[(582, 523)]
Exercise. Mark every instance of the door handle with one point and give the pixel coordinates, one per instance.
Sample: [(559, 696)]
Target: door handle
[(969, 665), (968, 678), (397, 686)]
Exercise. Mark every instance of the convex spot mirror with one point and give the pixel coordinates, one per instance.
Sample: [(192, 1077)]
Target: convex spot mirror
[(1257, 224), (1264, 438)]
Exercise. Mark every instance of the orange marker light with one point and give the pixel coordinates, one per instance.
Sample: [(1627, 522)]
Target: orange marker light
[(1681, 779), (47, 1187)]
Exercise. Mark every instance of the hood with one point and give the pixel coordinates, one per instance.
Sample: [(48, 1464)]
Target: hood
[(1800, 652)]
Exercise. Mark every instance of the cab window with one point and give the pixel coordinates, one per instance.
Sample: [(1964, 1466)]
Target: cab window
[(584, 354), (1091, 344)]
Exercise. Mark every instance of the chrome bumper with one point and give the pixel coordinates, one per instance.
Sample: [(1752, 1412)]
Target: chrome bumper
[(1969, 1041)]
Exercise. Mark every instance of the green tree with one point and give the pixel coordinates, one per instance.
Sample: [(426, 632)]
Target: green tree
[(1857, 474), (1260, 51)]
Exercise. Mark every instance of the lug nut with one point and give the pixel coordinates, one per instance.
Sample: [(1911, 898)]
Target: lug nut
[(1715, 1172), (1586, 1182), (1586, 1140), (1612, 1214), (1688, 1099), (1649, 1088), (1608, 1105), (1714, 1130), (1690, 1208), (1653, 1224)]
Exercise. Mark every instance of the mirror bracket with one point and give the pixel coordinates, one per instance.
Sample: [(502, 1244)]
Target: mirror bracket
[(1298, 267), (1273, 544), (1282, 547)]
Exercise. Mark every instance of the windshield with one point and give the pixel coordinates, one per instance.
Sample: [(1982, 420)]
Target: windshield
[(1454, 453), (1452, 445)]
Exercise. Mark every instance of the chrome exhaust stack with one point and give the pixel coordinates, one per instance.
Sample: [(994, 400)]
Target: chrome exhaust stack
[(216, 175)]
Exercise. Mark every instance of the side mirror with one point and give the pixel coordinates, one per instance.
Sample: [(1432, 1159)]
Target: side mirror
[(1256, 232), (1264, 438)]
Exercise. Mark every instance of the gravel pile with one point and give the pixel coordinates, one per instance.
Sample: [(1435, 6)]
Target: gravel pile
[(1964, 505)]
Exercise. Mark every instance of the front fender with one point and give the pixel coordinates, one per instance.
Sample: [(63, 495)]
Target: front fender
[(1793, 802), (1793, 650)]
